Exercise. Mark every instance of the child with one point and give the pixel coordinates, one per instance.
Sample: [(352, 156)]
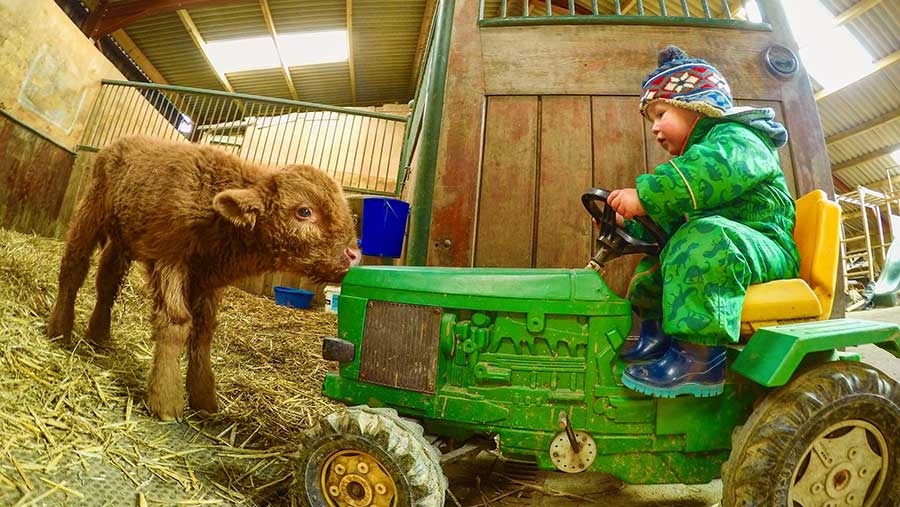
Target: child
[(723, 201)]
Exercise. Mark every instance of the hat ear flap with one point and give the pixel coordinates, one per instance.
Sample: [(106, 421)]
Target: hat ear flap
[(241, 206)]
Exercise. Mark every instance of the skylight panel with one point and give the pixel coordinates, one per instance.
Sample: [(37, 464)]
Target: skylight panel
[(235, 55), (831, 54), (313, 48)]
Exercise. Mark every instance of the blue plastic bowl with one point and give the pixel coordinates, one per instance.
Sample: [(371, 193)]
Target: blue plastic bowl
[(292, 298)]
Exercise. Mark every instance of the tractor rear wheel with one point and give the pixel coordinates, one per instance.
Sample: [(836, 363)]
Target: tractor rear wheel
[(828, 438), (362, 457)]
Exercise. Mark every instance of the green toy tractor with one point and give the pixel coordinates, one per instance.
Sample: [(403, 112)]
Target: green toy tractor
[(526, 360)]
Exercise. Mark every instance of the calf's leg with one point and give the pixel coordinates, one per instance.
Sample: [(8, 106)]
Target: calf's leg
[(114, 263), (171, 327), (85, 231), (201, 384)]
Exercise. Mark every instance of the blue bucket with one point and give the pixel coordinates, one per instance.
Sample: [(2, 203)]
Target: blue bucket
[(383, 226), (292, 298)]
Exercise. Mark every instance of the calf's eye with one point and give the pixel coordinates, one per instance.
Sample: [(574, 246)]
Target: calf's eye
[(304, 212)]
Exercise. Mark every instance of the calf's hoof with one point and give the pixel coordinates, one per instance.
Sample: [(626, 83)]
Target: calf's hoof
[(166, 408), (205, 404)]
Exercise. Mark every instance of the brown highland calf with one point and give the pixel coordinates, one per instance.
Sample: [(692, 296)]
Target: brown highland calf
[(198, 219)]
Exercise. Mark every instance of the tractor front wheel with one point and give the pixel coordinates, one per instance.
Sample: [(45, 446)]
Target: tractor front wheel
[(367, 457), (827, 439)]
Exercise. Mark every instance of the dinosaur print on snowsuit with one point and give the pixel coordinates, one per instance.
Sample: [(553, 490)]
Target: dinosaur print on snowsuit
[(729, 215)]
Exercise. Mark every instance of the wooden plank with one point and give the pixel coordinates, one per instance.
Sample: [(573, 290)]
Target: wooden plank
[(563, 228), (553, 60), (451, 238), (504, 237), (618, 145)]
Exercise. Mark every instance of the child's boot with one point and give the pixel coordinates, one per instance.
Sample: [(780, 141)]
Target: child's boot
[(686, 368), (650, 346)]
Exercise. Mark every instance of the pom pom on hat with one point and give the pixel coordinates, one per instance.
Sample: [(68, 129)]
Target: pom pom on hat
[(670, 53), (691, 83)]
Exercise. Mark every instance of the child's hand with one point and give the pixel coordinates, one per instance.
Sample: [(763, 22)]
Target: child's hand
[(620, 221), (626, 203)]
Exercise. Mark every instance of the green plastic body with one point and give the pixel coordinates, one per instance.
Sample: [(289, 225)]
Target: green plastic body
[(519, 346)]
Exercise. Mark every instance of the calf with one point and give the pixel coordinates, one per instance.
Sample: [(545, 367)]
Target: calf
[(198, 219)]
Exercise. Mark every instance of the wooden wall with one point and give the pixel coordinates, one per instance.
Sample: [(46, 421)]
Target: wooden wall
[(34, 173), (535, 115)]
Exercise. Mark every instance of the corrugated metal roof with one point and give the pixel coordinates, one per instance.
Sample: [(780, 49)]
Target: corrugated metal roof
[(873, 96), (385, 37)]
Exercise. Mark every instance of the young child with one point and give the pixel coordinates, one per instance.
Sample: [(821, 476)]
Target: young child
[(723, 201)]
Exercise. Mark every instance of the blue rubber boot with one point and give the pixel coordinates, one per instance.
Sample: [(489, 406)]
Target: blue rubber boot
[(686, 368), (650, 346)]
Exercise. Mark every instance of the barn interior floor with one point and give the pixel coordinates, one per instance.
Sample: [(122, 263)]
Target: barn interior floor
[(74, 429)]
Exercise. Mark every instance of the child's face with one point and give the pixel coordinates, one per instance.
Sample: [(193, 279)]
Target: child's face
[(671, 125)]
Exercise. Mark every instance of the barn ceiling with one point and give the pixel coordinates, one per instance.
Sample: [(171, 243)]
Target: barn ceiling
[(861, 121), (163, 36)]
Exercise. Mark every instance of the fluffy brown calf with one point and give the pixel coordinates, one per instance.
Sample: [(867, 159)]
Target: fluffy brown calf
[(198, 219)]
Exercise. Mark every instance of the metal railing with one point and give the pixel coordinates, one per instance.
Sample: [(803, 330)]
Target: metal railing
[(715, 13), (361, 149)]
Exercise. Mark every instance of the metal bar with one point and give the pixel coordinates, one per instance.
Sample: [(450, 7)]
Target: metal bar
[(337, 161), (503, 8), (391, 147), (149, 112), (315, 144), (595, 10), (257, 98), (640, 7), (260, 148), (571, 7), (865, 221), (300, 142), (726, 9), (662, 8), (365, 148), (92, 116), (381, 152), (94, 122), (371, 158), (630, 20), (219, 113), (117, 104), (201, 113), (525, 8), (548, 6), (326, 121), (284, 137), (684, 9), (706, 11), (480, 10), (347, 153), (331, 151), (295, 115), (423, 196), (618, 6)]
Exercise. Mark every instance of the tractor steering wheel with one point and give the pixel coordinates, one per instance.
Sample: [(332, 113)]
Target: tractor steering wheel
[(613, 241)]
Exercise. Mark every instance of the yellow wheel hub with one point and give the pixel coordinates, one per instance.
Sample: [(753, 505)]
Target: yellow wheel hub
[(353, 478), (844, 467)]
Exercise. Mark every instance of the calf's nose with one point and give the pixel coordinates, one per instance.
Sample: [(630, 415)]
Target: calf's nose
[(353, 255)]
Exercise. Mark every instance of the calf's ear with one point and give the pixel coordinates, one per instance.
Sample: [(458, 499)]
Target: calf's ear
[(241, 206)]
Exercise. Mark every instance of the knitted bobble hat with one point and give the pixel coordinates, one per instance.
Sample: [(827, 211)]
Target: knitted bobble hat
[(686, 82)]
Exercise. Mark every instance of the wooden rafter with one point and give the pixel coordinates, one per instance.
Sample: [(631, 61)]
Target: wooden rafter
[(880, 64), (267, 15), (139, 57), (109, 17), (350, 59), (424, 30), (864, 127), (854, 12), (868, 157), (839, 184), (200, 43)]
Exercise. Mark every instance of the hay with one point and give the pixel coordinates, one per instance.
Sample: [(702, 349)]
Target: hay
[(72, 419)]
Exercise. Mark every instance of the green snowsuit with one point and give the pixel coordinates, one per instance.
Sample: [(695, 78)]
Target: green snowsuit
[(729, 216)]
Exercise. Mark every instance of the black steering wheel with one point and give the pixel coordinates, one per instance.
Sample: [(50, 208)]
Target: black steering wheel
[(612, 240)]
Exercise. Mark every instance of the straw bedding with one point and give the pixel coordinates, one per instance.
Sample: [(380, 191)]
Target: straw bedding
[(73, 426)]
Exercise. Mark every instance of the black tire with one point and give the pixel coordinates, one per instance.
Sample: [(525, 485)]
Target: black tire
[(387, 445), (772, 461)]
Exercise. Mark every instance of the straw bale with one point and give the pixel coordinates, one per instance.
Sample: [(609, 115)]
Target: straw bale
[(72, 418)]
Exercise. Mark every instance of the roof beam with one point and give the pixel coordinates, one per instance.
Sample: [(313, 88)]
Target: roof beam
[(199, 42), (267, 15), (107, 17), (868, 157), (350, 60), (864, 127), (139, 57), (880, 64), (422, 44), (839, 184), (854, 12)]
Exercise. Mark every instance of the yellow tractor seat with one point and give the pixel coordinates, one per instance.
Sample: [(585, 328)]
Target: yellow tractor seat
[(810, 297)]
